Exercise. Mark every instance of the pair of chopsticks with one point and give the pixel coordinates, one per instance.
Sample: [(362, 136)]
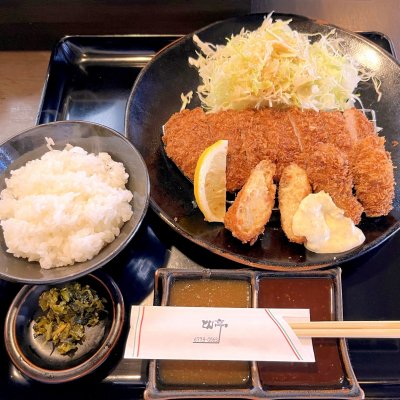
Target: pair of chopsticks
[(347, 329)]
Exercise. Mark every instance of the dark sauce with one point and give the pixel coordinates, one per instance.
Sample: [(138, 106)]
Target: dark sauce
[(203, 373), (317, 294)]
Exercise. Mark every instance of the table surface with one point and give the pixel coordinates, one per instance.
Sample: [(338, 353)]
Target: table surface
[(22, 75)]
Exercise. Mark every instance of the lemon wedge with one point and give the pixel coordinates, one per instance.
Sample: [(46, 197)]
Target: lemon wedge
[(210, 181)]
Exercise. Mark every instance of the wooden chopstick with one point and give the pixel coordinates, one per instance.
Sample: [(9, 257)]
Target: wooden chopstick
[(348, 329)]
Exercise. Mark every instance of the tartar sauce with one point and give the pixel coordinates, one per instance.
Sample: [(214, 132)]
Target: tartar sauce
[(324, 225)]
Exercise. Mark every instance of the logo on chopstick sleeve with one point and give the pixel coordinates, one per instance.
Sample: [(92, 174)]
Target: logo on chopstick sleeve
[(215, 327)]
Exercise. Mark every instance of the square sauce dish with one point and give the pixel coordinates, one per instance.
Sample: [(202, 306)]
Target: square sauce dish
[(330, 376)]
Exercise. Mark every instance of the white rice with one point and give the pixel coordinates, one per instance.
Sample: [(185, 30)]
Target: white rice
[(64, 207)]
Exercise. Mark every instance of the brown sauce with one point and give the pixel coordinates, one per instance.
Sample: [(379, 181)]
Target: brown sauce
[(210, 293), (206, 293), (317, 294)]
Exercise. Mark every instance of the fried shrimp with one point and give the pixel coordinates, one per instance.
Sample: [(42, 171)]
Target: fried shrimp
[(252, 208), (293, 188)]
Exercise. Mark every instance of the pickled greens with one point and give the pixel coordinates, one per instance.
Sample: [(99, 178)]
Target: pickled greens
[(68, 311), (277, 66)]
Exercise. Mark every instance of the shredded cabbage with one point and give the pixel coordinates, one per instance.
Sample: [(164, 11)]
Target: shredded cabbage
[(186, 98), (277, 66)]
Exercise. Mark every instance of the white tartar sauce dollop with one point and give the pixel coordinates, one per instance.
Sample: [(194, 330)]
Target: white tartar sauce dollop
[(324, 225)]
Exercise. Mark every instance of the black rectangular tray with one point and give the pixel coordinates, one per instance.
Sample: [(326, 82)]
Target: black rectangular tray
[(90, 78)]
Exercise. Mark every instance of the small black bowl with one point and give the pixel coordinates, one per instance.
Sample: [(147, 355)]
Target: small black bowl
[(37, 359)]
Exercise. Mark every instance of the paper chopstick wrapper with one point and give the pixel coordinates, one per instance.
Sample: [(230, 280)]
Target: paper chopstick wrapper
[(207, 333)]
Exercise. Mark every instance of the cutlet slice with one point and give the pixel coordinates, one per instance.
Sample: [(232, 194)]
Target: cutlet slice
[(328, 170), (233, 126), (321, 127), (293, 188), (190, 132), (261, 140), (309, 128), (252, 208), (358, 125), (336, 128), (187, 135), (289, 144), (372, 170)]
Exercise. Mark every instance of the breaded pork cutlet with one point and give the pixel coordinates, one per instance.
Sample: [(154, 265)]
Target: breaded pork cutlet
[(371, 165), (187, 135), (335, 125), (308, 127), (260, 140), (234, 127), (293, 188), (328, 170), (252, 208), (373, 175), (288, 140), (285, 136), (267, 132), (358, 125)]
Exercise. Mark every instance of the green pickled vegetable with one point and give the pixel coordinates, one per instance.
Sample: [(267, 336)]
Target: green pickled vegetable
[(68, 311)]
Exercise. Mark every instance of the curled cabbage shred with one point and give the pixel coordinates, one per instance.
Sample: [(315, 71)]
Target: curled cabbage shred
[(277, 66)]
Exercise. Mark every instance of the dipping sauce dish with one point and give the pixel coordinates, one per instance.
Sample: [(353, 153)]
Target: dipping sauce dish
[(317, 294), (206, 293), (331, 376)]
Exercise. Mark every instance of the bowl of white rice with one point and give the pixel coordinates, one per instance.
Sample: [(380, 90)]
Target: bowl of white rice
[(72, 196)]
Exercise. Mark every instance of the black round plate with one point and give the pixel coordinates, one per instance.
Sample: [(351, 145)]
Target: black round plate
[(156, 96)]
